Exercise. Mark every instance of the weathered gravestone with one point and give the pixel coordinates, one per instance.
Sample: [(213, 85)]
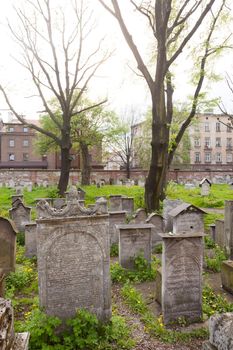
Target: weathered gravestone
[(221, 332), (213, 232), (14, 199), (227, 275), (115, 203), (115, 218), (219, 233), (168, 205), (182, 262), (205, 185), (73, 259), (30, 240), (140, 216), (158, 227), (187, 218), (8, 339), (7, 246), (59, 203), (20, 214), (81, 194), (128, 204), (134, 239), (228, 228)]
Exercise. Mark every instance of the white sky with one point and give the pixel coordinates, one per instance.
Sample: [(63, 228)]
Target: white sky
[(115, 80)]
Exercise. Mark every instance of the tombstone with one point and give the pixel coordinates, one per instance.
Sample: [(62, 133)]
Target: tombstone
[(29, 187), (189, 186), (227, 275), (7, 246), (219, 233), (128, 204), (115, 203), (101, 204), (158, 286), (45, 184), (15, 198), (59, 203), (205, 185), (73, 260), (8, 339), (30, 240), (18, 190), (20, 214), (220, 330), (213, 232), (182, 276), (81, 194), (141, 182), (187, 218), (11, 183), (228, 228), (168, 205), (140, 216), (158, 227), (134, 239), (115, 218)]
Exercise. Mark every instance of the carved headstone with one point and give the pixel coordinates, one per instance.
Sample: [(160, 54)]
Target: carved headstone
[(140, 216), (128, 204), (182, 262), (205, 185), (228, 228), (7, 246), (14, 199), (134, 239), (168, 205), (30, 240), (20, 214), (73, 260), (157, 221), (115, 218), (187, 218), (115, 203)]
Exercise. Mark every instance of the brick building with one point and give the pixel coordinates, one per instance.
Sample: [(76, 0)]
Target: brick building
[(17, 150)]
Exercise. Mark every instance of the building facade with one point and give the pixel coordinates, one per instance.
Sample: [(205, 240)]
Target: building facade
[(211, 140)]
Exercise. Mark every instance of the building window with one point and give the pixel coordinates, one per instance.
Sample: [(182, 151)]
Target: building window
[(229, 157), (207, 142), (207, 126), (218, 157), (229, 143), (25, 129), (197, 142), (229, 127), (25, 143), (12, 143), (208, 157), (11, 156), (25, 157), (218, 142), (197, 157), (11, 129), (218, 127)]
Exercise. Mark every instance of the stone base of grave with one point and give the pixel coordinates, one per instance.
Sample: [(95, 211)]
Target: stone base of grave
[(21, 341), (220, 329), (158, 286), (207, 346), (227, 275)]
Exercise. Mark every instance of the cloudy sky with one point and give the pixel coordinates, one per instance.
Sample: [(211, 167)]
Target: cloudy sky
[(115, 80)]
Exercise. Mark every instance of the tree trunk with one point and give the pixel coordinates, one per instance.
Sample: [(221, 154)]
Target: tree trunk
[(65, 170), (86, 166), (128, 167)]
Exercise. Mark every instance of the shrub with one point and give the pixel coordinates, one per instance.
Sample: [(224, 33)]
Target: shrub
[(215, 263), (114, 250), (213, 303)]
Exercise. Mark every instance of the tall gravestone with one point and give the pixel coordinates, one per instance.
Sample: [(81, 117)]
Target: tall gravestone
[(182, 262), (20, 214), (128, 204), (135, 239), (30, 240), (115, 218), (7, 246), (228, 228), (219, 233), (158, 227), (168, 205), (73, 259)]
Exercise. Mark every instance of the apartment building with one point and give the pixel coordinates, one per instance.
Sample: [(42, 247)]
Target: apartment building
[(211, 140), (17, 150)]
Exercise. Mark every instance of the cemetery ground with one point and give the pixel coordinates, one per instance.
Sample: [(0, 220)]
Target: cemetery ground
[(136, 322)]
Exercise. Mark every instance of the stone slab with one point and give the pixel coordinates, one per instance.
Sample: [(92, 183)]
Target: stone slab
[(221, 331), (158, 286), (30, 240), (21, 341), (7, 246), (227, 275), (115, 218)]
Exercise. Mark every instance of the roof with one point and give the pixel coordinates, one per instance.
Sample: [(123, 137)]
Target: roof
[(183, 207), (205, 180)]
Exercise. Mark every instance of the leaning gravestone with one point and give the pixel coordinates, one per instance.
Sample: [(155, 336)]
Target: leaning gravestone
[(168, 205), (182, 277), (8, 339), (134, 239), (20, 214), (73, 259), (7, 246), (30, 240), (157, 221)]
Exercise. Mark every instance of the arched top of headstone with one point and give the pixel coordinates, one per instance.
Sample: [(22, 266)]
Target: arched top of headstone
[(152, 216), (205, 180), (7, 225)]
